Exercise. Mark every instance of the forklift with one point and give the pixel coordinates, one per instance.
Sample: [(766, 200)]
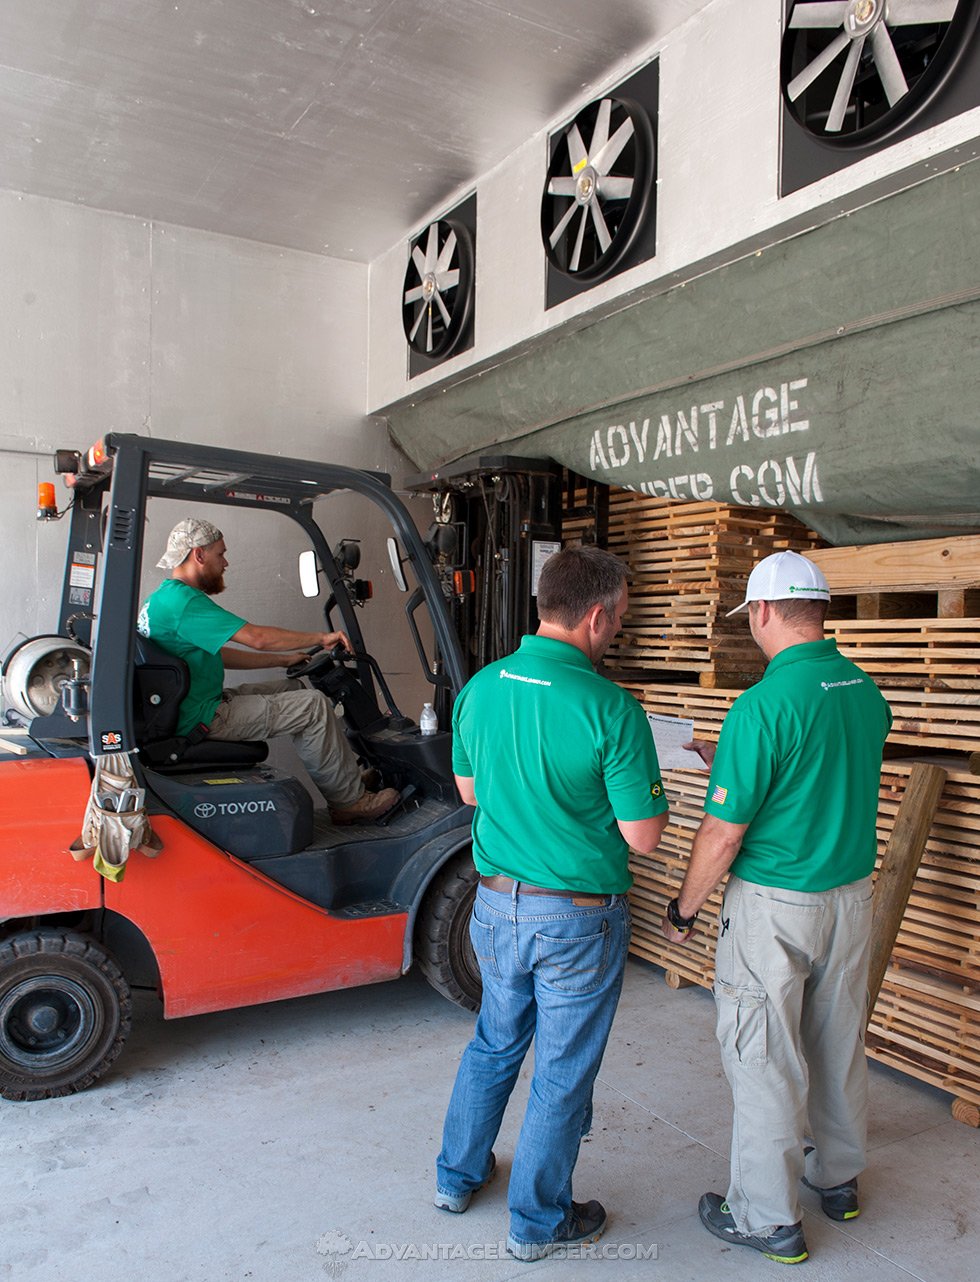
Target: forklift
[(254, 896)]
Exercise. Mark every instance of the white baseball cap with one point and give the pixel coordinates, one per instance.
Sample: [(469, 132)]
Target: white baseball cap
[(186, 535), (784, 576)]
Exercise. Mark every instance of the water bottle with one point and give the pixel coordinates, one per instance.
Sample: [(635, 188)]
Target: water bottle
[(428, 721)]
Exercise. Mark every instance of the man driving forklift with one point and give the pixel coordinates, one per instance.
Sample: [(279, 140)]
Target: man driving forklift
[(182, 618)]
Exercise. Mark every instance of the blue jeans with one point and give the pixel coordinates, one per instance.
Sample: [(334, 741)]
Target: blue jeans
[(551, 971)]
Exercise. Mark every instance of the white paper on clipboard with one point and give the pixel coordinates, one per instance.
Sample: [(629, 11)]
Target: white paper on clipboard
[(669, 733)]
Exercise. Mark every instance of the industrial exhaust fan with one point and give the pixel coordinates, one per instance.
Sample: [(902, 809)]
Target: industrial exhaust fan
[(598, 203), (438, 290), (858, 74)]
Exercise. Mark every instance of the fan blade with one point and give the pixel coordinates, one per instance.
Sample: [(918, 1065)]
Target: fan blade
[(605, 239), (889, 67), (418, 258), (562, 187), (576, 256), (432, 247), (576, 150), (819, 15), (556, 235), (607, 157), (820, 64), (616, 188), (600, 134), (418, 321), (838, 108), (446, 257), (909, 13), (413, 295), (447, 280), (428, 332), (447, 319)]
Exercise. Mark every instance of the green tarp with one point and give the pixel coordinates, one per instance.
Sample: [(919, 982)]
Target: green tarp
[(834, 375)]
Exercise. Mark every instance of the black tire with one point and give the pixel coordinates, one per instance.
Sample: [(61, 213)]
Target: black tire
[(442, 934), (65, 1012)]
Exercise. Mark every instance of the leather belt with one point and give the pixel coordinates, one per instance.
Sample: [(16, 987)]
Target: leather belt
[(581, 899)]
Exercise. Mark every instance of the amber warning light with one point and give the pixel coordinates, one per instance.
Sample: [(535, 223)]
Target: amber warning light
[(47, 508)]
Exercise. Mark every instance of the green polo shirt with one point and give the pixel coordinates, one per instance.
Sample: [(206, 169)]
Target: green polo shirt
[(189, 624), (557, 754), (799, 761)]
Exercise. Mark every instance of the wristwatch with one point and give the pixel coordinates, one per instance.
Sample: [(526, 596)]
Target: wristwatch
[(676, 920)]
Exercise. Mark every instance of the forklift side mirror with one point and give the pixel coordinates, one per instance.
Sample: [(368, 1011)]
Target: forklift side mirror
[(309, 575), (394, 556)]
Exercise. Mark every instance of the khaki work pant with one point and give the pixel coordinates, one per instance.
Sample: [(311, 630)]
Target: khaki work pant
[(791, 989), (265, 709)]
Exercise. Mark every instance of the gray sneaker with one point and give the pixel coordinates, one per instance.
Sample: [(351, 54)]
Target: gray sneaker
[(586, 1222), (459, 1202), (839, 1202), (785, 1244)]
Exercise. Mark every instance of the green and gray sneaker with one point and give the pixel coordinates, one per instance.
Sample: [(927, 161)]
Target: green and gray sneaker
[(839, 1202), (785, 1244)]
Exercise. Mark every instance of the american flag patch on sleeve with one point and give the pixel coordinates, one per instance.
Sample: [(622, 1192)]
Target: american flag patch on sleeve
[(719, 795)]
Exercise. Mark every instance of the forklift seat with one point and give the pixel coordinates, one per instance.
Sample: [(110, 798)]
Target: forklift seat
[(160, 682)]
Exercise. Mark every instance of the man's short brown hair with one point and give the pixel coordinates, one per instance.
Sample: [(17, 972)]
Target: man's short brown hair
[(802, 612), (575, 580)]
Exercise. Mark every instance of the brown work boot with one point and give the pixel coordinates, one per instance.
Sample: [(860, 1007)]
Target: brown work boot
[(371, 778), (368, 807)]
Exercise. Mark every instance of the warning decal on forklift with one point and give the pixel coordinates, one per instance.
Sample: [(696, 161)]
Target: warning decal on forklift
[(80, 596), (259, 498), (541, 550), (82, 572)]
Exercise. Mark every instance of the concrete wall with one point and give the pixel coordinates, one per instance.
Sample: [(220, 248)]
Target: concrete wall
[(112, 323), (717, 191)]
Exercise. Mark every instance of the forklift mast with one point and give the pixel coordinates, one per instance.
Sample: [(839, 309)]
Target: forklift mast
[(497, 519)]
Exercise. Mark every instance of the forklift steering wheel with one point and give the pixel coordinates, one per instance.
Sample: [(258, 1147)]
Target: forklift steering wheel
[(317, 660)]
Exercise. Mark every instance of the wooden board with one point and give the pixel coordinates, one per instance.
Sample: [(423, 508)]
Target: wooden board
[(924, 563)]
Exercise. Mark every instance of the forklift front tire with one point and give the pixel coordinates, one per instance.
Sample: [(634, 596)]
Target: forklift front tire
[(65, 1012), (442, 934)]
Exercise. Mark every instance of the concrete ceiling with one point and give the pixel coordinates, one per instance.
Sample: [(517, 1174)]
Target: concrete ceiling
[(333, 126)]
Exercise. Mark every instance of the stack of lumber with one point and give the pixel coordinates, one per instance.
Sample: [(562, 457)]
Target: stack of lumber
[(926, 1021), (928, 665), (909, 614), (688, 564), (924, 654)]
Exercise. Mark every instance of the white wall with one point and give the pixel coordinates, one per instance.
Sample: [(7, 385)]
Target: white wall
[(717, 188), (110, 323)]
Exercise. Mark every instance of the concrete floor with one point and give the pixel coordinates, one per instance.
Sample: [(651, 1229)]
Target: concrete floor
[(296, 1142)]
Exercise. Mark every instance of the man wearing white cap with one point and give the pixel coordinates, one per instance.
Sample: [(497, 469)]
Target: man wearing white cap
[(181, 617), (791, 810)]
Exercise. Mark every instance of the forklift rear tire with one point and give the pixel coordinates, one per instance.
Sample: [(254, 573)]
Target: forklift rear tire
[(442, 934), (65, 1012)]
